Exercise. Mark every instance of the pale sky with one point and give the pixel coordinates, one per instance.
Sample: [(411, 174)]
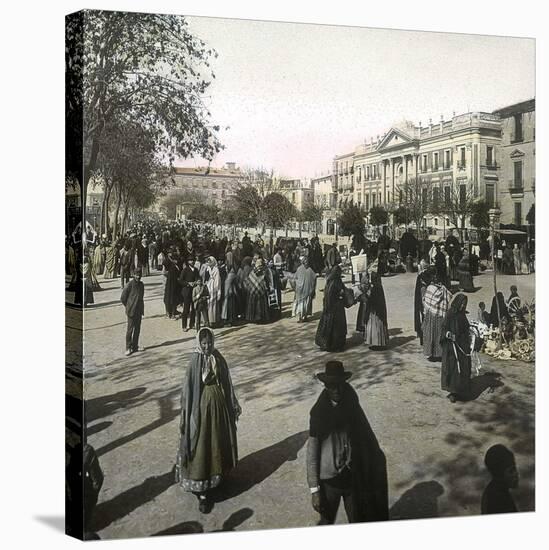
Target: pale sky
[(296, 95)]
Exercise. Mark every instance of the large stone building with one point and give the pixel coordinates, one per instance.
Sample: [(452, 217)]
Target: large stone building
[(517, 161), (216, 185), (458, 152)]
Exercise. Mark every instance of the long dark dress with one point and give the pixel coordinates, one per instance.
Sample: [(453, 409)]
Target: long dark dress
[(376, 332), (456, 371), (172, 293), (332, 327), (464, 275), (229, 309), (503, 311)]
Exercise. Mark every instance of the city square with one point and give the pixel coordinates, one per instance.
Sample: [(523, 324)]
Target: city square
[(434, 449)]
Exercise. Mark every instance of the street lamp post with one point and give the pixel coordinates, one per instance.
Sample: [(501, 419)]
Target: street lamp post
[(494, 215)]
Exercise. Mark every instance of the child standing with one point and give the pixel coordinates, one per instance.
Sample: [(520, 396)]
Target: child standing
[(200, 302)]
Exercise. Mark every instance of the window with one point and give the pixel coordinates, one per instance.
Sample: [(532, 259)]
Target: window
[(462, 194), (518, 213), (518, 127), (489, 156), (447, 194), (424, 163), (518, 174), (447, 159), (462, 157), (424, 196), (367, 172), (436, 221), (436, 198), (435, 161), (490, 195), (367, 201), (373, 200), (380, 197)]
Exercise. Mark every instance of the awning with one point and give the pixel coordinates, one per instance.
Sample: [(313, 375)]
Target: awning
[(510, 232)]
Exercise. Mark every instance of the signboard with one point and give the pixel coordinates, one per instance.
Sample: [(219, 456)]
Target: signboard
[(359, 263)]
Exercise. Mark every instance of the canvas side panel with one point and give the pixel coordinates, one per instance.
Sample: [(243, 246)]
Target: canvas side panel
[(74, 313)]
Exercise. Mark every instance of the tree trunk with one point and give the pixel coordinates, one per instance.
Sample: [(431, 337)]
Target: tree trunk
[(125, 216), (116, 213)]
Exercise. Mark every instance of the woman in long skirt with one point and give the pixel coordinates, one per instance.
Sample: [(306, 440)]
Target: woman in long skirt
[(209, 412), (422, 282), (435, 306), (464, 273), (332, 327), (456, 351), (376, 334)]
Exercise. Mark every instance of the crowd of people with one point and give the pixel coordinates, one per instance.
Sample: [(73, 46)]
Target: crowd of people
[(211, 280)]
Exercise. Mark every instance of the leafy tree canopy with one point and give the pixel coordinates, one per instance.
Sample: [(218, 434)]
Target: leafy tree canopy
[(378, 216)]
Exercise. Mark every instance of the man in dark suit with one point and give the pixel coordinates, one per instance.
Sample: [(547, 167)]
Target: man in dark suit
[(132, 298), (344, 460)]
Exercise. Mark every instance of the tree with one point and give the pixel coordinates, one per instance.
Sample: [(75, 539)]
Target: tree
[(479, 215), (401, 216), (378, 216), (459, 204), (204, 213), (248, 205), (278, 210), (311, 213), (351, 221), (416, 198), (147, 68), (128, 169)]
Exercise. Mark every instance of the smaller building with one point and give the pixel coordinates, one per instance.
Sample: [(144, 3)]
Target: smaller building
[(216, 185), (297, 192), (326, 199), (518, 161)]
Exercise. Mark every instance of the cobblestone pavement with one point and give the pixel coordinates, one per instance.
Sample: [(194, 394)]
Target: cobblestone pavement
[(434, 448)]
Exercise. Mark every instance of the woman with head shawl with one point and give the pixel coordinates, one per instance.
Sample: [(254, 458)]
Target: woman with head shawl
[(305, 288), (376, 333), (214, 289), (436, 301), (332, 327), (99, 258), (257, 305), (422, 282), (503, 311), (465, 277), (456, 350), (229, 309), (209, 412)]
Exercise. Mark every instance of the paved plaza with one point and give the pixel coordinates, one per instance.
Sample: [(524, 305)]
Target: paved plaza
[(434, 449)]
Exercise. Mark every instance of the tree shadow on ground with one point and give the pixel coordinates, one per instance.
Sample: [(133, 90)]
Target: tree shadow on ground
[(397, 341), (96, 428), (167, 414), (191, 527), (128, 501), (258, 466), (419, 502), (107, 405)]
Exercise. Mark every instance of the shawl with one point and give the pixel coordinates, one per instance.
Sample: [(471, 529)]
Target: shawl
[(436, 300), (305, 282), (192, 386), (368, 464), (376, 302), (214, 281), (255, 283)]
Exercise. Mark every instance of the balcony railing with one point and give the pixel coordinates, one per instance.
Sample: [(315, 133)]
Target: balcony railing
[(492, 165), (516, 187), (461, 165)]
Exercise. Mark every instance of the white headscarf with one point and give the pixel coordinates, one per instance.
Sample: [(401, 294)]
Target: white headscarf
[(209, 363)]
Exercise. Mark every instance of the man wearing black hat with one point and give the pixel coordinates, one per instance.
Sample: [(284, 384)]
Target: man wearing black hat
[(344, 460), (132, 298)]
